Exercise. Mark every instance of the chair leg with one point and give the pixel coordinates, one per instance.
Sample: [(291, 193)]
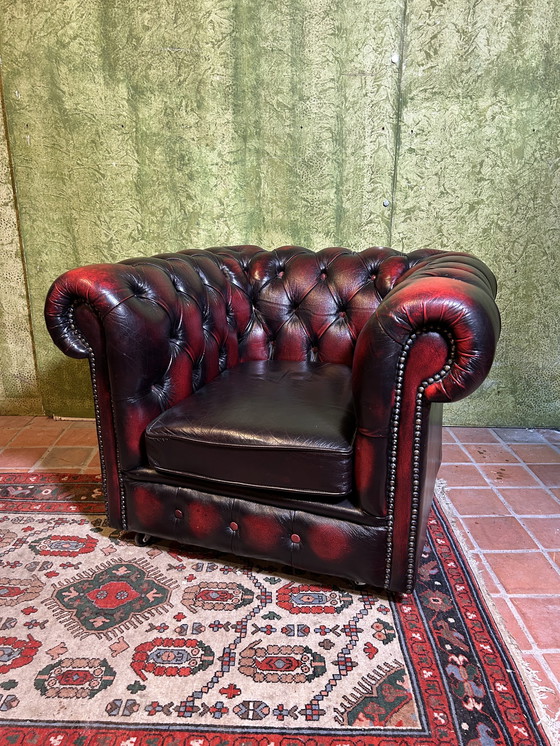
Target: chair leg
[(143, 540)]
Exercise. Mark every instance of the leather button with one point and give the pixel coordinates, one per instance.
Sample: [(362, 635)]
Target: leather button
[(295, 538), (233, 525), (178, 513)]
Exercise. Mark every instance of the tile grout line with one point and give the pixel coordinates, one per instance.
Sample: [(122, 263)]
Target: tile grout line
[(487, 481), (535, 649), (35, 466), (478, 556), (523, 464), (494, 489)]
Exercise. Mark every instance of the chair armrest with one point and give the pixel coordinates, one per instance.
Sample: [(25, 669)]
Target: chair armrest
[(432, 339), (154, 330), (452, 294), (443, 310)]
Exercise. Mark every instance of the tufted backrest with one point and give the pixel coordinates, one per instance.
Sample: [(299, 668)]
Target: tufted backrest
[(290, 304), (312, 306)]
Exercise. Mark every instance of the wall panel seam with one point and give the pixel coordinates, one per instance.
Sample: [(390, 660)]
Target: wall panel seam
[(10, 164), (397, 129)]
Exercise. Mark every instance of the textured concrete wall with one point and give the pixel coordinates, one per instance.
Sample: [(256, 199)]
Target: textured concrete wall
[(19, 392), (137, 127), (479, 170)]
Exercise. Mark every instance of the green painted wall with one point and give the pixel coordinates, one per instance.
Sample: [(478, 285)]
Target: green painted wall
[(479, 170), (137, 127), (19, 392)]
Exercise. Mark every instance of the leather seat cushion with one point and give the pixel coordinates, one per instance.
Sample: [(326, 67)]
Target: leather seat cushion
[(271, 424)]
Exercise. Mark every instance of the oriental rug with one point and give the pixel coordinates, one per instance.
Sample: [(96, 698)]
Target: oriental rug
[(103, 642)]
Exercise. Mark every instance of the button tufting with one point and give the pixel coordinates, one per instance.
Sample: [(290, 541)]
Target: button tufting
[(178, 513), (295, 538), (233, 525)]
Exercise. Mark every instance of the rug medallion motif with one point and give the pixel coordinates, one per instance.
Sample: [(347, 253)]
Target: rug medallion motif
[(179, 646)]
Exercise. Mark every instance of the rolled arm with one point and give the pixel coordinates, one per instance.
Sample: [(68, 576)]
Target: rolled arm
[(134, 317), (160, 326), (153, 330), (450, 294), (432, 339), (443, 293)]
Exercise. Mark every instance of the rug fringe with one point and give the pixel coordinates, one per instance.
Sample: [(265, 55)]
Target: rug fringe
[(536, 690)]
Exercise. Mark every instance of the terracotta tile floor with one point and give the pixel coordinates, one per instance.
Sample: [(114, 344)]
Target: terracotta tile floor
[(504, 485)]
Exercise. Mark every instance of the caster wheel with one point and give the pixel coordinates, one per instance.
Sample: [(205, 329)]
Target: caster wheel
[(143, 540)]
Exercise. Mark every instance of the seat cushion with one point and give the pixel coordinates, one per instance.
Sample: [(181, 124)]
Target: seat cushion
[(274, 424)]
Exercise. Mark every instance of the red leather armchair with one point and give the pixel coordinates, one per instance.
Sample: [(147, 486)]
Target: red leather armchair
[(283, 405)]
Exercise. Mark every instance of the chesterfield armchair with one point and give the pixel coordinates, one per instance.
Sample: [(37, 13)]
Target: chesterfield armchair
[(281, 405)]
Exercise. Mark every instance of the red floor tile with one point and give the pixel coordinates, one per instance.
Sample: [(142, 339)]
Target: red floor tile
[(525, 573), (499, 533), (549, 474), (487, 579), (488, 453), (546, 530), (541, 616), (78, 436), (462, 475), (466, 538), (508, 475), (7, 434), (453, 454), (20, 458), (37, 436), (14, 421), (553, 660), (530, 501), (512, 625), (475, 435), (48, 422), (61, 457), (535, 453), (446, 436), (477, 502)]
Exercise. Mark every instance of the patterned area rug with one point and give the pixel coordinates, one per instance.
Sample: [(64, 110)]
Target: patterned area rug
[(102, 642)]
